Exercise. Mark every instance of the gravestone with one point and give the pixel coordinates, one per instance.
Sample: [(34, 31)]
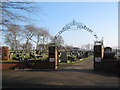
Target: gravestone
[(64, 57)]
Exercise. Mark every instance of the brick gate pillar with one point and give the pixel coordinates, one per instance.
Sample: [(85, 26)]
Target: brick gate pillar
[(53, 57), (5, 52), (98, 56)]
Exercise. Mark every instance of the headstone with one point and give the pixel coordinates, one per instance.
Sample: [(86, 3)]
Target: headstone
[(64, 57)]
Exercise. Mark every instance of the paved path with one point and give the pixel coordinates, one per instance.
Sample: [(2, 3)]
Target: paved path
[(78, 75)]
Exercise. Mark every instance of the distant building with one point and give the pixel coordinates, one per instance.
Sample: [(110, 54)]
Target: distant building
[(75, 50), (108, 53), (107, 49)]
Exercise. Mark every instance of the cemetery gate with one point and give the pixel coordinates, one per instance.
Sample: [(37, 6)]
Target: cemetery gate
[(52, 62), (98, 47)]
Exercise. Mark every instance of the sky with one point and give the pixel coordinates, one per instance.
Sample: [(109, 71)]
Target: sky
[(101, 17)]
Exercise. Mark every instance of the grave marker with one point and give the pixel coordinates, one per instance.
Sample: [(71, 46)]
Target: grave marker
[(64, 57)]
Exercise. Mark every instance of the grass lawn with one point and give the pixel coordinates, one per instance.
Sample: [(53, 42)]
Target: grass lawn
[(9, 61), (69, 62), (44, 57)]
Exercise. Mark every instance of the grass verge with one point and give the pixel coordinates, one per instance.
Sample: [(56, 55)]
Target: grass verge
[(2, 61)]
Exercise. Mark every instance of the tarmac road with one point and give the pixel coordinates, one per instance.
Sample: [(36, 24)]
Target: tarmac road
[(77, 75)]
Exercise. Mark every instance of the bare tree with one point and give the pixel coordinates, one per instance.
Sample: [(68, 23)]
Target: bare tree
[(29, 47), (12, 37), (68, 47), (29, 32), (45, 36), (10, 12), (42, 35), (9, 41), (88, 46), (37, 35), (57, 40)]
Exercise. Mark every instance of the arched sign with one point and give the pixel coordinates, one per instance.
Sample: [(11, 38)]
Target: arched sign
[(75, 26)]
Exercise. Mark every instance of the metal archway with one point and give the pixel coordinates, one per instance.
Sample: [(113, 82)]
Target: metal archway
[(77, 26)]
